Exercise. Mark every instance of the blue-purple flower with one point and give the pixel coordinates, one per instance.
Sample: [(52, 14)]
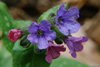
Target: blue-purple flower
[(40, 34), (75, 44), (53, 51), (66, 20)]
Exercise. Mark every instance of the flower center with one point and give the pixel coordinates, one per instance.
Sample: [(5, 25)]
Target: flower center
[(59, 19), (39, 32)]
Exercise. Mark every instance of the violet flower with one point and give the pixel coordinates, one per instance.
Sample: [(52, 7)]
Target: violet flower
[(40, 34), (53, 52), (66, 20), (75, 44)]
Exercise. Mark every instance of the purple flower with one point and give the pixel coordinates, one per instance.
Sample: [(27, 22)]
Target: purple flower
[(53, 51), (75, 44), (66, 20), (40, 34)]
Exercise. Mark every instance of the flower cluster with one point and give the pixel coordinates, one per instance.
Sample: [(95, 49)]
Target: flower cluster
[(43, 35)]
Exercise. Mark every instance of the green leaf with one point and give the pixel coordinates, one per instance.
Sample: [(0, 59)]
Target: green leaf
[(7, 43), (65, 62), (25, 57), (4, 29), (21, 24), (5, 18), (5, 13), (5, 57), (5, 25), (46, 15)]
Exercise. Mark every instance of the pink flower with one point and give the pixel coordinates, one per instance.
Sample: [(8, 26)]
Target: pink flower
[(14, 35), (53, 52)]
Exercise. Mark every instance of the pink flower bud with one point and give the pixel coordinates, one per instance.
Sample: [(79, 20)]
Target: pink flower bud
[(14, 35)]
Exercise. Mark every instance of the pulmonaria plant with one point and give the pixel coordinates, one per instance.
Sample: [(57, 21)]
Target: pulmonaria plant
[(43, 35)]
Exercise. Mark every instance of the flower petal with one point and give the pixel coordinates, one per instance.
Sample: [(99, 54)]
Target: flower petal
[(59, 48), (32, 38), (79, 39), (48, 58), (61, 10), (72, 27), (44, 26), (50, 36), (69, 26), (73, 12), (63, 29), (33, 28), (71, 48), (75, 39), (84, 39), (42, 43), (71, 21), (54, 53), (45, 23), (70, 45), (78, 46), (73, 54)]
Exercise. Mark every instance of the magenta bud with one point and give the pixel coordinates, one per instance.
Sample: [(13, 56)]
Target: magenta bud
[(14, 35)]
